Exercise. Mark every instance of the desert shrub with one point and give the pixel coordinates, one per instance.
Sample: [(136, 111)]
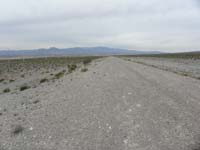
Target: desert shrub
[(11, 80), (17, 130), (22, 75), (44, 80), (36, 101), (24, 87), (60, 74), (71, 67), (6, 90), (1, 80), (87, 61), (183, 74), (84, 69), (15, 114)]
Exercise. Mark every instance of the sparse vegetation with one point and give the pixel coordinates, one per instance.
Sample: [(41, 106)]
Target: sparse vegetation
[(11, 80), (60, 74), (71, 67), (160, 61), (186, 55), (21, 66), (36, 101), (24, 87), (87, 61), (7, 90), (17, 130), (44, 80), (21, 71), (15, 114), (184, 74), (1, 80), (84, 69)]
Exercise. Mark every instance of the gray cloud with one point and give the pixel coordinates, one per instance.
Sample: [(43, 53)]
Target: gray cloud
[(171, 25)]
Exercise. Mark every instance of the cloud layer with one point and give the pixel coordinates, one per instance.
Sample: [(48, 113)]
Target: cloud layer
[(171, 25)]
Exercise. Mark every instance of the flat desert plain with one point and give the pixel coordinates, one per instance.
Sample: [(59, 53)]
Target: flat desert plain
[(108, 103)]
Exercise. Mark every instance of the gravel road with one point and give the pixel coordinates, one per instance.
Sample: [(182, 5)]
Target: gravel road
[(115, 105)]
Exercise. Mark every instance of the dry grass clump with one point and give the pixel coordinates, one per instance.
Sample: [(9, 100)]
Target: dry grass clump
[(84, 69), (36, 101), (87, 61), (1, 80), (22, 75), (44, 80), (11, 80), (17, 130), (71, 67), (24, 87), (60, 74), (7, 90)]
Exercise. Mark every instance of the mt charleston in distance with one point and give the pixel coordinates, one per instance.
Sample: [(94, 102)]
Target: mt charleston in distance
[(76, 51)]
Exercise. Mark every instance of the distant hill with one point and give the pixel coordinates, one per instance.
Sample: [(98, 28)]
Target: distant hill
[(76, 51)]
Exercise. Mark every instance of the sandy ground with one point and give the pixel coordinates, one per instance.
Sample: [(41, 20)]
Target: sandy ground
[(115, 105)]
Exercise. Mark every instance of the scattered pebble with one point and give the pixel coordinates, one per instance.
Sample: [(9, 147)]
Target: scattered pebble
[(15, 114), (138, 105), (137, 126), (31, 128), (126, 141)]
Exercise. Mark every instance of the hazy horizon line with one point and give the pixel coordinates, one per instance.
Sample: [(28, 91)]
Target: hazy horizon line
[(50, 47)]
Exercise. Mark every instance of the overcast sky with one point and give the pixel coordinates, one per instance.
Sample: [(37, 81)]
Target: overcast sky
[(165, 25)]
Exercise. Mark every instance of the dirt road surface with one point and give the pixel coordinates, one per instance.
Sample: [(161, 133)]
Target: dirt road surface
[(115, 105)]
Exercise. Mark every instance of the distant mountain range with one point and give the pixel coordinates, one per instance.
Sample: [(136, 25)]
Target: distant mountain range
[(76, 51)]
